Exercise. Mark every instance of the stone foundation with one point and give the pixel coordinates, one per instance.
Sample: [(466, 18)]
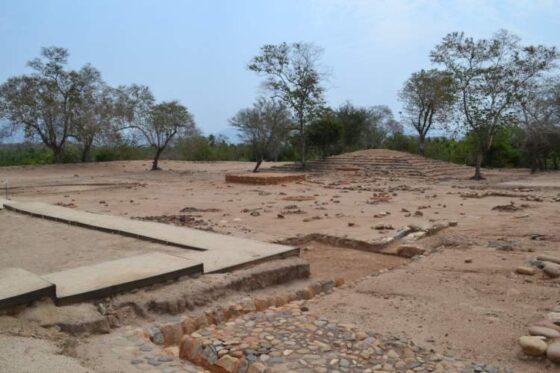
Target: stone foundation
[(264, 178)]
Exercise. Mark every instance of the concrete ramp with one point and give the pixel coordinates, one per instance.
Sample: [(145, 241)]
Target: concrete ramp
[(18, 286), (218, 252), (107, 278)]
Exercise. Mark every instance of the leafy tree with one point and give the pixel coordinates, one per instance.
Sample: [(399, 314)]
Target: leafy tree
[(356, 122), (44, 103), (324, 134), (539, 115), (265, 126), (293, 75), (366, 128), (157, 123), (381, 124), (96, 116), (490, 76), (428, 97)]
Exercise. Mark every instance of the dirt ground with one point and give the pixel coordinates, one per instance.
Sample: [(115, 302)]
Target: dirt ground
[(462, 299)]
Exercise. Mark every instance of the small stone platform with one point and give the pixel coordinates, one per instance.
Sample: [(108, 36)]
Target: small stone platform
[(264, 178), (18, 286), (107, 278)]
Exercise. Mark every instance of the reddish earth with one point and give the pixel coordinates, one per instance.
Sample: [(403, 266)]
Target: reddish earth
[(463, 298)]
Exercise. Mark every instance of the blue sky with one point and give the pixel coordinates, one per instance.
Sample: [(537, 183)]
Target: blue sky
[(197, 51)]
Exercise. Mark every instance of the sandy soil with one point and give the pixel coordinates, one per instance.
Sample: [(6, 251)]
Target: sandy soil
[(475, 308)]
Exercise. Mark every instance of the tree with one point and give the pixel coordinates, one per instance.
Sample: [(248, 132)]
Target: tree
[(96, 113), (539, 115), (490, 76), (366, 128), (381, 124), (356, 124), (265, 127), (158, 123), (44, 103), (324, 134), (293, 76), (427, 97)]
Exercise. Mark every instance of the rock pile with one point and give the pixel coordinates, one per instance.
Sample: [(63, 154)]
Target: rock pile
[(544, 337), (549, 265)]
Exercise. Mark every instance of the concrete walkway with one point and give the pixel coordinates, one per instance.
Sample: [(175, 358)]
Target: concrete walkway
[(104, 279), (206, 252), (18, 286), (218, 252)]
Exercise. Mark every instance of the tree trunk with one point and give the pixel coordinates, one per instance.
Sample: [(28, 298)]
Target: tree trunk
[(58, 154), (155, 166), (422, 146), (533, 165), (302, 145), (85, 153), (258, 165), (477, 173)]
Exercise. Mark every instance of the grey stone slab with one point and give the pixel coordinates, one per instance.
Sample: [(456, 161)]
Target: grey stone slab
[(18, 286), (218, 252), (107, 278)]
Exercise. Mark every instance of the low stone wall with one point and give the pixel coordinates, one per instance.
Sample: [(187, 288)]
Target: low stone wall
[(264, 178), (172, 298)]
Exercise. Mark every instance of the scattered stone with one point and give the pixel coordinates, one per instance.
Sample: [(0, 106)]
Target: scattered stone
[(409, 251), (523, 270), (548, 258), (544, 332), (553, 352), (552, 270), (547, 324), (533, 346)]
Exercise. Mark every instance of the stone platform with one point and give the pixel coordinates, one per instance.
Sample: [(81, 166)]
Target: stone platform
[(18, 286), (107, 278), (263, 178)]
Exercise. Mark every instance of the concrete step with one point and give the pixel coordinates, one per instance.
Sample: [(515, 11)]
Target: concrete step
[(18, 286), (108, 278)]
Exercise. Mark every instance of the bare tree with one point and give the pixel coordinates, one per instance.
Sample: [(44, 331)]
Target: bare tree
[(490, 75), (44, 103), (265, 126), (293, 75), (428, 97)]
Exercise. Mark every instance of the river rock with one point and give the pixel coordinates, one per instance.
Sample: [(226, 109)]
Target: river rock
[(522, 270), (552, 270), (544, 331), (553, 352), (548, 258), (532, 345), (547, 324)]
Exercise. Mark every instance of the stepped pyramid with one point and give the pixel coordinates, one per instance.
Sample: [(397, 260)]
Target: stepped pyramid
[(384, 162)]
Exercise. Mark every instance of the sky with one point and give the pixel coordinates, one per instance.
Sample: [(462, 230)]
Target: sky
[(197, 51)]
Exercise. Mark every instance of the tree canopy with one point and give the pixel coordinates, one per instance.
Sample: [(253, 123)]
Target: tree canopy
[(293, 75)]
